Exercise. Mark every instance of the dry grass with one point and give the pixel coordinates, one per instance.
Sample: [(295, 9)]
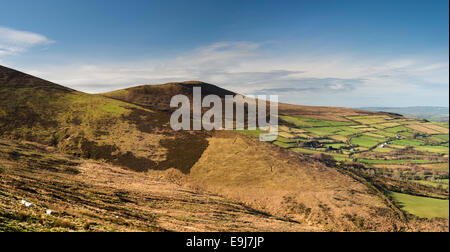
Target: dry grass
[(437, 128), (422, 128), (102, 197), (285, 184), (322, 113), (440, 166), (261, 187)]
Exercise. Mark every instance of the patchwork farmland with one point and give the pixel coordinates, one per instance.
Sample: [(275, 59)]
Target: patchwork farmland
[(398, 154), (111, 162)]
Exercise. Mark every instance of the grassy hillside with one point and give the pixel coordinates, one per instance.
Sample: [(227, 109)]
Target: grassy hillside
[(129, 129), (323, 113), (303, 189), (90, 196), (393, 152), (93, 126), (421, 206), (353, 135), (158, 97)]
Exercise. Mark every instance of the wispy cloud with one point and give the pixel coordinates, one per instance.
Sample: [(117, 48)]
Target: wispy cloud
[(15, 41), (323, 85), (300, 77)]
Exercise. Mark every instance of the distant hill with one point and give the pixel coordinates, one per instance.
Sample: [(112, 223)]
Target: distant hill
[(130, 129), (157, 97), (438, 114)]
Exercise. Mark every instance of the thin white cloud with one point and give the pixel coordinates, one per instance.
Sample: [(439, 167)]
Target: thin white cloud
[(15, 41), (300, 77)]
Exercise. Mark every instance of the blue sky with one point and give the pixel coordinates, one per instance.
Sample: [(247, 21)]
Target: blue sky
[(326, 52)]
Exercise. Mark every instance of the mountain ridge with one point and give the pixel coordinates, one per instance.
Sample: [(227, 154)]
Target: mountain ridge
[(14, 78), (138, 137)]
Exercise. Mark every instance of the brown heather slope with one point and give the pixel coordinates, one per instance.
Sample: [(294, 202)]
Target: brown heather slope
[(86, 195), (158, 97), (281, 182), (295, 187), (132, 131), (93, 126), (325, 113)]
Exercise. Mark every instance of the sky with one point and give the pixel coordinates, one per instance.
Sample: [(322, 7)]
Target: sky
[(347, 53)]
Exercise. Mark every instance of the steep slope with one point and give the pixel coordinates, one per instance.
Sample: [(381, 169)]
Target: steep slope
[(85, 195), (278, 181), (93, 126), (129, 128), (12, 78), (287, 184)]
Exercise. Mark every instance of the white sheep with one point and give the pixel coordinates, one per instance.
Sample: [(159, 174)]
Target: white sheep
[(26, 203)]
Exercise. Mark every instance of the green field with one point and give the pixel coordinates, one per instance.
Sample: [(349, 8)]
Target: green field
[(366, 141), (434, 149), (304, 151), (285, 144), (443, 137), (347, 131), (307, 122), (286, 140), (253, 133), (328, 131), (380, 161), (422, 206), (442, 124), (322, 131), (384, 133), (368, 119), (433, 184), (385, 149), (354, 135), (408, 142), (361, 140), (397, 129), (435, 140)]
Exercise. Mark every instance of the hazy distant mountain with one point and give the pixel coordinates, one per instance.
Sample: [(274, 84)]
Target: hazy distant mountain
[(440, 114)]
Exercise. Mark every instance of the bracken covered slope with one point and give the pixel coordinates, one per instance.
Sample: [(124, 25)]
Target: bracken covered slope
[(93, 126), (287, 184), (158, 97), (130, 129), (86, 195)]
